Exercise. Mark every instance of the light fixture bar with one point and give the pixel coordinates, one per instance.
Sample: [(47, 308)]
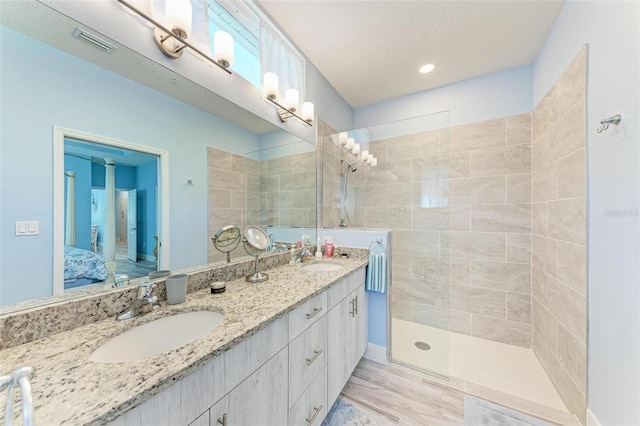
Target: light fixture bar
[(172, 35), (285, 113)]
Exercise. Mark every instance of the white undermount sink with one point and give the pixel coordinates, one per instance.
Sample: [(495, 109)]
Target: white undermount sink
[(322, 267), (157, 337)]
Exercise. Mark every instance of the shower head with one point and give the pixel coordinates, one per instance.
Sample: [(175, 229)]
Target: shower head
[(350, 166)]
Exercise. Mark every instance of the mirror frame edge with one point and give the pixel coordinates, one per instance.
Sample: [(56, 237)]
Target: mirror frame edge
[(59, 135)]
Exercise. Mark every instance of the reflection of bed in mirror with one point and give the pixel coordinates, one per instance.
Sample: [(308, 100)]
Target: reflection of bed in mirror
[(82, 267)]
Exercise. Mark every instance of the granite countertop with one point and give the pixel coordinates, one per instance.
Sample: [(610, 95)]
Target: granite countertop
[(70, 389)]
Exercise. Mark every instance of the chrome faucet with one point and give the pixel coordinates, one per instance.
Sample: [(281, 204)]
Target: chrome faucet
[(305, 252), (19, 378), (143, 304)]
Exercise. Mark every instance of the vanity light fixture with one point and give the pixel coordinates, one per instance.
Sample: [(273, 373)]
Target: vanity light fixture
[(291, 103), (348, 144), (171, 38)]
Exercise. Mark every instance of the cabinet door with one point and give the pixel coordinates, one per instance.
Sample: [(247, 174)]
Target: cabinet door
[(339, 360), (360, 326), (307, 358), (261, 399)]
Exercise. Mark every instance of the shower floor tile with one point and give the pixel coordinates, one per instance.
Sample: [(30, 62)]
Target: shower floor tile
[(497, 366)]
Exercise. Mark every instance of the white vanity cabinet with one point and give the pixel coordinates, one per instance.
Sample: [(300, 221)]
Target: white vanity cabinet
[(347, 340), (289, 373), (261, 399)]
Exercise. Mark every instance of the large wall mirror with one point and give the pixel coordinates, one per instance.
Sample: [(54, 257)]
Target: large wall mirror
[(52, 80)]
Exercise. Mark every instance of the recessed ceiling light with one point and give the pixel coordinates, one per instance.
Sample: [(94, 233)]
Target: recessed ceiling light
[(427, 68)]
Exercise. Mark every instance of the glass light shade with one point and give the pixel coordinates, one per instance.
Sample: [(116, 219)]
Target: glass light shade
[(342, 138), (308, 111), (177, 13), (365, 156), (350, 143), (292, 99), (356, 149), (270, 85), (223, 47), (374, 162)]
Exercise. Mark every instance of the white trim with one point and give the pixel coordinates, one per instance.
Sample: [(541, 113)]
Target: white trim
[(59, 134), (376, 353), (591, 419)]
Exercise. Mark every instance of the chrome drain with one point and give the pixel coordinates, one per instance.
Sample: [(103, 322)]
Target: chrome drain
[(422, 346)]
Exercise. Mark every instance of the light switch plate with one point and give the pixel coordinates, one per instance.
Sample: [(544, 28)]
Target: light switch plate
[(24, 228)]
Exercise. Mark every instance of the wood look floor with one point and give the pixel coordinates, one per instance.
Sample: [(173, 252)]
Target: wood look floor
[(403, 397)]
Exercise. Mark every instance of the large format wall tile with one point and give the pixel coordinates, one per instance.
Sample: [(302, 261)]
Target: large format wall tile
[(504, 160), (468, 194), (501, 275), (513, 333), (501, 218), (568, 220), (474, 245), (519, 248), (544, 254), (484, 134), (482, 190), (572, 266), (519, 129), (559, 215)]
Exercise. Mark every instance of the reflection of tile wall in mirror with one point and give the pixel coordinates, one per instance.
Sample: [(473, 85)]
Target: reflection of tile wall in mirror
[(270, 187)]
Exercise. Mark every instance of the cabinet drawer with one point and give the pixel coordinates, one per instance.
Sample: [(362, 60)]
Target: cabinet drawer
[(313, 402), (339, 291), (245, 358), (307, 357), (307, 314)]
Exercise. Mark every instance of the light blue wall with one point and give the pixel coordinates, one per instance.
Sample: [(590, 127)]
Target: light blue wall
[(83, 199), (482, 98), (147, 186), (43, 87), (612, 31)]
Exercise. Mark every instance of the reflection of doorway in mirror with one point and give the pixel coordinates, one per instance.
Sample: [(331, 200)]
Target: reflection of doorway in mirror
[(121, 215), (136, 205)]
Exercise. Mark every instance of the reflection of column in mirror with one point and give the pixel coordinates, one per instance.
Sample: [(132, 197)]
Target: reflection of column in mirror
[(109, 249), (70, 218)]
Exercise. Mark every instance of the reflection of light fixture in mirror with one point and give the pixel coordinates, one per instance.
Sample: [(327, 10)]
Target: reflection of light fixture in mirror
[(349, 146), (226, 240), (171, 38), (256, 242), (291, 103)]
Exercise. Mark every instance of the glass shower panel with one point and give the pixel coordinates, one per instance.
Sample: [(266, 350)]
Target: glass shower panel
[(408, 193)]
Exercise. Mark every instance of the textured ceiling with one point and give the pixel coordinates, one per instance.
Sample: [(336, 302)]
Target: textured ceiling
[(370, 51)]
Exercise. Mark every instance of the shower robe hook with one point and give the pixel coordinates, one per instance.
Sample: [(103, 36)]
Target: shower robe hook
[(606, 122)]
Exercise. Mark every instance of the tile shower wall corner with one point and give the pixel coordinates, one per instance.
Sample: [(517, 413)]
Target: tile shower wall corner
[(272, 192), (558, 185)]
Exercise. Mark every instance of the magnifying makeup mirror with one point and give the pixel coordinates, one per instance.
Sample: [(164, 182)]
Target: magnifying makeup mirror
[(256, 242), (227, 239)]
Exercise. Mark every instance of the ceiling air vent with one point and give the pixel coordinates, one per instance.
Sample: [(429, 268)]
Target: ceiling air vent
[(93, 40)]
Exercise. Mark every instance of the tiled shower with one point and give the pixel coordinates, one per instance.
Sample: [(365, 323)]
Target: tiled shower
[(489, 226)]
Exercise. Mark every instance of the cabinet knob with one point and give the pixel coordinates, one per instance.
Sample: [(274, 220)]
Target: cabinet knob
[(316, 411)]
